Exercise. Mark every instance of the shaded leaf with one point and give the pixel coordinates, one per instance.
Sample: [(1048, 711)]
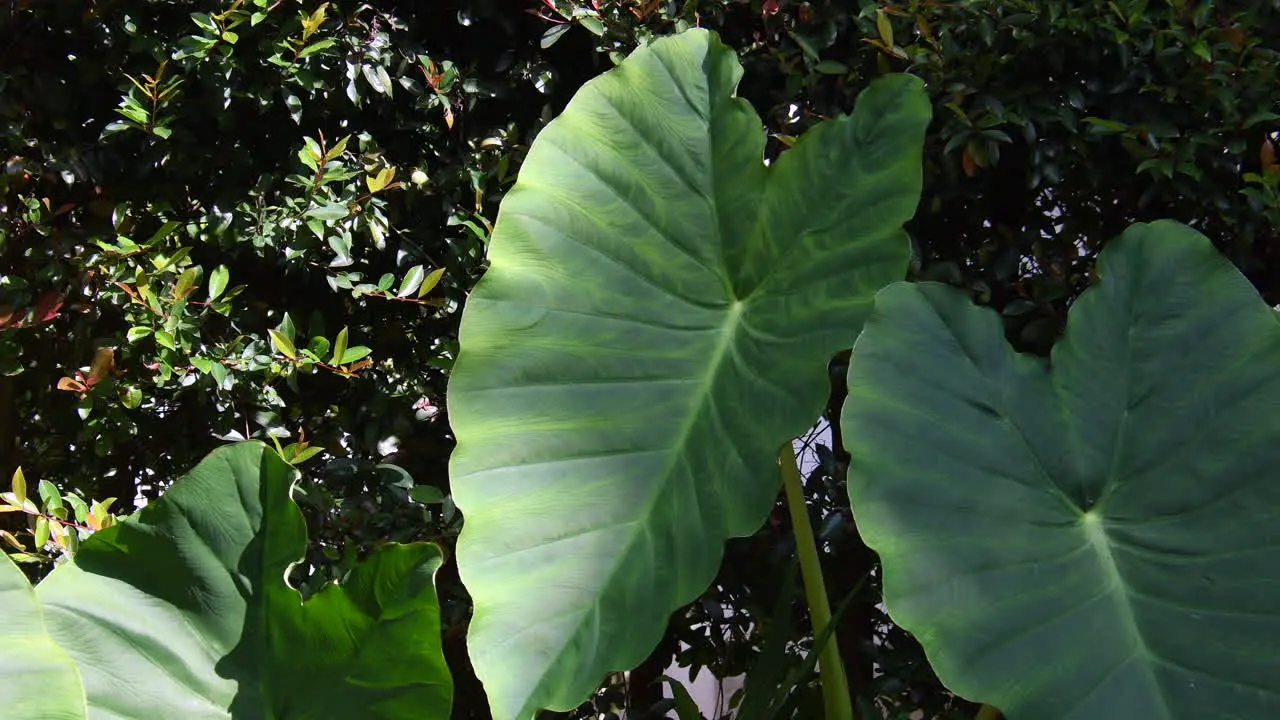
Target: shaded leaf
[(553, 34), (1081, 508), (427, 494), (884, 28)]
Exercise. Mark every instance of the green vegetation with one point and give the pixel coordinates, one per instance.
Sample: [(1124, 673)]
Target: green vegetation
[(183, 611), (650, 284), (256, 221)]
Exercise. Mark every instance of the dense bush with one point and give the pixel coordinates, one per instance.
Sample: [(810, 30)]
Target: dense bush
[(229, 220)]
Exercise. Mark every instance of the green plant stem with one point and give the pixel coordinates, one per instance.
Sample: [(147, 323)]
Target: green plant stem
[(988, 713), (835, 685)]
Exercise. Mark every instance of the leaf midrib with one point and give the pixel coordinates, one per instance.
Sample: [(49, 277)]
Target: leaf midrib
[(1092, 518), (1096, 535), (724, 343)]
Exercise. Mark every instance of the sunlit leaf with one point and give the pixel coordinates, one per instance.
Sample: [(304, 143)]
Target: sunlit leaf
[(429, 284), (656, 321), (339, 348), (41, 532), (282, 344), (411, 282), (218, 280), (18, 484), (353, 354)]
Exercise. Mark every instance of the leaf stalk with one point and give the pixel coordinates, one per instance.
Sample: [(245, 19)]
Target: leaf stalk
[(835, 685)]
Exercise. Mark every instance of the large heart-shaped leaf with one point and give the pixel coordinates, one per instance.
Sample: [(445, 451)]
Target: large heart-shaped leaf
[(655, 323), (184, 612), (1097, 536)]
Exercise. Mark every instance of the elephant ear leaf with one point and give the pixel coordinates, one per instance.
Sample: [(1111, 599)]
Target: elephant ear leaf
[(655, 323), (37, 678), (183, 611), (1095, 536)]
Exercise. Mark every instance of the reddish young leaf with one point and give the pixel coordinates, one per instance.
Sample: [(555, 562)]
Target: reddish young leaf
[(969, 164), (104, 361), (72, 385), (47, 307)]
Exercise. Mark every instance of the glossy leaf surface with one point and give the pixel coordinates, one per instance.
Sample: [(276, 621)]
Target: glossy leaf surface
[(37, 679)]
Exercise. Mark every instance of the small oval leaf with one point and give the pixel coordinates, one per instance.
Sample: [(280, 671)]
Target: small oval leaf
[(42, 532), (354, 354), (19, 486), (282, 344), (429, 284), (218, 282), (412, 280), (339, 348)]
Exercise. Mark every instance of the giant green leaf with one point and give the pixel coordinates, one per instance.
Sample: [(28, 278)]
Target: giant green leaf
[(37, 679), (1092, 537), (184, 612), (655, 322)]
